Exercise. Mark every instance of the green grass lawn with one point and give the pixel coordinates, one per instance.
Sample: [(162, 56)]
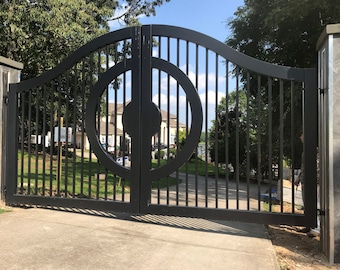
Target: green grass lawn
[(80, 177), (194, 166), (4, 209), (77, 176)]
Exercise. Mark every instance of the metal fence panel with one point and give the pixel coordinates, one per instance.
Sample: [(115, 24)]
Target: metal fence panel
[(161, 119)]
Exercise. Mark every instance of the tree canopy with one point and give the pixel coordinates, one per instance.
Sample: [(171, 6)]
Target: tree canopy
[(231, 122), (40, 33), (280, 31)]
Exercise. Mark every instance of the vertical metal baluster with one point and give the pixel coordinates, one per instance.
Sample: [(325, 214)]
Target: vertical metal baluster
[(29, 141), (168, 109), (43, 142), (91, 75), (99, 124), (177, 122), (115, 89), (60, 149), (227, 133), (270, 140), (196, 84), (67, 105), (217, 121), (82, 147), (36, 139), (114, 110), (196, 149), (186, 130), (99, 111), (13, 187), (305, 155), (206, 123), (115, 136), (237, 163), (248, 141), (159, 105), (292, 132), (74, 130), (107, 120), (52, 145), (281, 144), (22, 141), (124, 132), (259, 130), (168, 122)]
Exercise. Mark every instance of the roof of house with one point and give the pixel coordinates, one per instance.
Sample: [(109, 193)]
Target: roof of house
[(109, 129), (172, 118)]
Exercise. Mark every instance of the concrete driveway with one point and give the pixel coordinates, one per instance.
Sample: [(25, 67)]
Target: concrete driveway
[(37, 238)]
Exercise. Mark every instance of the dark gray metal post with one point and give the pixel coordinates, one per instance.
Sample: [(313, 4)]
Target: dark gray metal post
[(328, 47), (9, 73)]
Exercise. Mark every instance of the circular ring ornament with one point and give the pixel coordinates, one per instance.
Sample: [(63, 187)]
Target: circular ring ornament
[(195, 129)]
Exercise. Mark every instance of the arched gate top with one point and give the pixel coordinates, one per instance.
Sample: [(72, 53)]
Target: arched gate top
[(230, 54)]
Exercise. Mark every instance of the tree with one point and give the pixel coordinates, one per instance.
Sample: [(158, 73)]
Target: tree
[(182, 137), (285, 34), (181, 140), (41, 33), (230, 124)]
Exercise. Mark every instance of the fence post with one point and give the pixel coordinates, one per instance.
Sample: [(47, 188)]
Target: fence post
[(9, 73), (328, 47)]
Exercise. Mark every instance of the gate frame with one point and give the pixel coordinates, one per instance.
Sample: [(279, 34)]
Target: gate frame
[(142, 37)]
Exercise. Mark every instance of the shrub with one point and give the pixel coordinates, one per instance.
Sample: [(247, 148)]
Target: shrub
[(160, 154)]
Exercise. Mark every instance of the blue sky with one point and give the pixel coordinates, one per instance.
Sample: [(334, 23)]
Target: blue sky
[(208, 17)]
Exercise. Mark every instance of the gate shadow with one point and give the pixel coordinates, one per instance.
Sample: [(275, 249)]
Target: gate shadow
[(186, 223)]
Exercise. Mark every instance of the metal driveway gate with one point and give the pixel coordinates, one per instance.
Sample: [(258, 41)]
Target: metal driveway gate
[(164, 120)]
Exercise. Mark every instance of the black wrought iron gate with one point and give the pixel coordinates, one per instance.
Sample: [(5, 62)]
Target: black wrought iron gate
[(161, 119)]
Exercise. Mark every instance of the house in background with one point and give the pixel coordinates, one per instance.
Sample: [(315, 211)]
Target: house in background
[(110, 131), (168, 129), (113, 136)]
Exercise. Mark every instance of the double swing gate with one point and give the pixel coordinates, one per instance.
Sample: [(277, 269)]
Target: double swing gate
[(164, 120)]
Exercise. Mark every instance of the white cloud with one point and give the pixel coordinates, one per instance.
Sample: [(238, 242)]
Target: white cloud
[(201, 79), (211, 97), (154, 52), (117, 24), (164, 82), (172, 100), (182, 99)]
